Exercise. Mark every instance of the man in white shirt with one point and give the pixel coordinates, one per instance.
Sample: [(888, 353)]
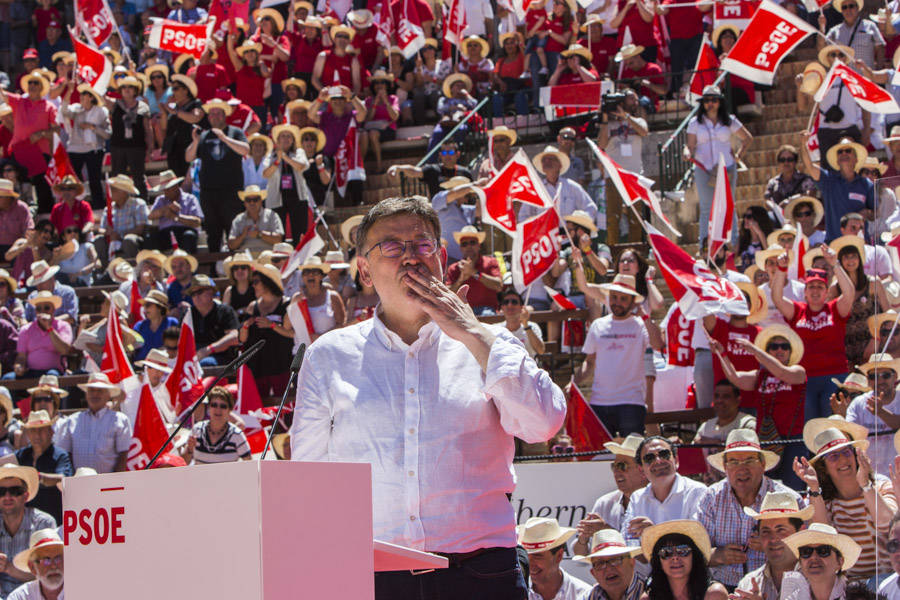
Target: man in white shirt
[(423, 391), (44, 560), (669, 495), (568, 195), (891, 586), (545, 542)]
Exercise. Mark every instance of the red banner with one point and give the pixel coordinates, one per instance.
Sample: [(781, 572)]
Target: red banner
[(517, 181), (679, 337), (149, 432), (223, 11), (734, 12), (721, 215), (770, 36), (586, 430), (706, 70), (92, 66), (94, 18), (565, 100), (535, 248), (59, 165), (184, 382), (870, 96), (410, 35), (178, 38), (115, 361), (454, 25), (348, 164), (384, 21)]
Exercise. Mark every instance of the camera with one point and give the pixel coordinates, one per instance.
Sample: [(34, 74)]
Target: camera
[(611, 101), (834, 114)]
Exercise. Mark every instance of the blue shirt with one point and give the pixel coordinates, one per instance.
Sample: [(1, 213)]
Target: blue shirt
[(841, 197), (152, 339), (69, 303), (46, 51), (193, 15), (54, 461), (176, 297)]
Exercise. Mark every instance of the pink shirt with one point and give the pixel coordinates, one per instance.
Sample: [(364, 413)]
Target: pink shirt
[(79, 214), (14, 222), (35, 344), (29, 117)]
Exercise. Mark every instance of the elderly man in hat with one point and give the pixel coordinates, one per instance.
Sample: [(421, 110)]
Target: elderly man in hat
[(504, 139), (15, 218), (44, 560), (257, 228), (721, 510), (221, 150), (48, 396), (18, 485), (156, 368), (44, 342), (612, 565), (609, 509), (615, 348), (545, 542), (565, 141), (215, 324), (43, 279), (552, 164), (129, 220), (98, 437), (69, 210), (480, 272), (778, 517), (878, 410), (156, 309), (177, 213), (182, 266), (856, 32), (51, 463), (824, 555)]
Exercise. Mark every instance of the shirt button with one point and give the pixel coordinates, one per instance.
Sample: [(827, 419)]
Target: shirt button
[(412, 473), (412, 517), (412, 390), (412, 430), (411, 355)]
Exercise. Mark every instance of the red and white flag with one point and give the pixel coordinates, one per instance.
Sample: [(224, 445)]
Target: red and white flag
[(91, 65), (224, 12), (179, 38), (572, 337), (679, 336), (812, 144), (560, 299), (95, 19), (734, 12), (771, 35), (301, 321), (247, 403), (455, 26), (384, 21), (59, 164), (796, 270), (698, 291), (582, 424), (135, 310), (632, 186), (184, 382), (721, 215), (348, 164), (535, 248), (115, 361), (706, 70), (410, 35), (573, 99), (517, 181), (870, 96), (149, 432), (309, 245), (815, 5)]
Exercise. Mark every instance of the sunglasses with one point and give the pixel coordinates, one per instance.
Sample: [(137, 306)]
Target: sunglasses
[(219, 405), (511, 302), (884, 332), (845, 151), (619, 466), (651, 457), (342, 36), (744, 462), (615, 561), (49, 560), (845, 452), (469, 243), (667, 552), (278, 259), (865, 172), (157, 77), (256, 281), (778, 346), (708, 100), (252, 199), (807, 551), (562, 449), (786, 159), (805, 213), (240, 268), (848, 7), (893, 546), (35, 399), (883, 375), (448, 152), (748, 216), (16, 490)]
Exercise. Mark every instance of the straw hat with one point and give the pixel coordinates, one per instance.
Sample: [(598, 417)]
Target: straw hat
[(260, 14), (36, 76), (252, 190), (849, 240), (347, 226), (875, 321), (5, 109), (628, 446), (119, 270), (282, 249), (813, 76), (186, 81), (381, 75), (538, 534), (258, 137), (7, 188), (758, 305), (41, 272), (310, 21), (334, 31), (505, 36), (6, 403), (718, 31), (27, 474), (248, 46), (551, 150), (125, 183), (455, 182), (691, 529), (793, 201), (773, 331), (320, 136), (156, 359), (198, 284), (780, 505), (608, 542), (5, 276), (270, 272), (451, 79), (117, 299), (315, 263), (178, 65), (335, 258), (433, 43), (467, 232), (89, 90), (66, 57), (504, 131), (131, 81), (38, 419), (853, 382), (361, 18), (298, 104), (623, 284), (578, 50), (819, 534), (154, 256), (839, 4), (831, 439), (157, 297), (166, 180), (69, 181), (474, 39), (582, 219), (114, 57), (297, 83), (292, 129), (873, 164), (814, 427), (42, 538), (848, 52), (880, 361), (897, 442), (218, 103), (179, 253), (751, 271), (627, 51), (773, 251), (48, 383), (593, 19), (787, 229), (861, 153), (810, 256), (742, 440), (157, 68), (237, 259)]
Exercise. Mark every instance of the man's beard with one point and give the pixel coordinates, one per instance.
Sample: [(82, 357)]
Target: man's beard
[(52, 581)]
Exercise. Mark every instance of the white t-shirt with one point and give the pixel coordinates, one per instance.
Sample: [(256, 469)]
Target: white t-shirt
[(852, 112), (522, 335), (713, 139), (881, 447), (711, 429), (619, 346), (609, 507), (890, 587), (793, 291)]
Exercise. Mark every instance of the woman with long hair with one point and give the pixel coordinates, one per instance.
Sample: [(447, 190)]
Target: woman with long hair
[(274, 54), (428, 75), (77, 258), (517, 321), (753, 233), (321, 167), (250, 76), (239, 294), (723, 39), (9, 303), (293, 89), (326, 307), (254, 163), (157, 94), (180, 120), (286, 190), (507, 76), (678, 552), (630, 262), (382, 112), (307, 42), (216, 439), (89, 130)]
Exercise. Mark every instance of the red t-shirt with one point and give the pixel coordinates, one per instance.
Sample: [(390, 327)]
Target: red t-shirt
[(641, 30), (337, 69), (225, 62), (602, 51), (209, 79), (823, 339), (555, 25), (279, 67), (367, 43), (652, 72), (5, 138), (510, 68), (43, 18), (532, 16), (79, 215), (569, 78), (727, 334), (250, 85), (783, 401), (304, 52), (684, 21), (242, 117), (479, 294)]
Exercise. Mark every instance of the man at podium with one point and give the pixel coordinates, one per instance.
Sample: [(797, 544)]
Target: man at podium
[(432, 399)]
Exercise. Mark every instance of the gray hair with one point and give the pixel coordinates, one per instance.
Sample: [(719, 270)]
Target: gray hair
[(417, 206)]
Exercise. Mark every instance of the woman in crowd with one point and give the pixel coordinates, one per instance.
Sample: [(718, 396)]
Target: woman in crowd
[(430, 71), (867, 291), (306, 44), (340, 106), (382, 112), (180, 120), (132, 140), (326, 308), (361, 305), (678, 552), (575, 67), (158, 94), (35, 246), (268, 320), (847, 494), (286, 191), (709, 136), (8, 300), (275, 50), (824, 556), (753, 233), (517, 317), (47, 396), (338, 278), (254, 163), (155, 323), (77, 258), (789, 181), (216, 440), (250, 75), (404, 83), (477, 64), (240, 293), (630, 262), (10, 425), (507, 76), (723, 39), (293, 89), (89, 129), (318, 175), (560, 30)]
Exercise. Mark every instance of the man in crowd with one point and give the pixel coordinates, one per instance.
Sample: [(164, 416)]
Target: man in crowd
[(824, 555), (129, 220), (15, 218), (44, 342), (44, 560), (726, 404), (481, 273), (69, 210), (721, 509), (177, 213), (18, 485), (565, 141), (182, 266), (545, 542), (612, 565), (51, 463), (98, 437), (456, 206), (257, 228), (434, 174), (43, 279), (215, 324), (854, 31), (53, 43), (568, 194), (880, 413), (504, 139)]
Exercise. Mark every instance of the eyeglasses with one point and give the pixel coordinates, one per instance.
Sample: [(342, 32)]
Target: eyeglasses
[(47, 231), (845, 452), (786, 159), (512, 302), (31, 83), (627, 259), (744, 462), (651, 457), (49, 560), (16, 490), (778, 346), (157, 77), (45, 308), (175, 88), (708, 100), (309, 138), (805, 213), (807, 551), (615, 561), (396, 248), (240, 268), (848, 7), (562, 449), (448, 152), (36, 399), (619, 466), (747, 216), (469, 243), (845, 151), (342, 36), (882, 375), (218, 405), (893, 546), (252, 199), (667, 552)]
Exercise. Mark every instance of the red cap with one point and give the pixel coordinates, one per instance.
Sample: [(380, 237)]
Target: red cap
[(816, 275), (54, 24), (168, 460), (30, 53)]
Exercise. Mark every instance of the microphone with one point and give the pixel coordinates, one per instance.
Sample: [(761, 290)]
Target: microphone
[(295, 368), (230, 368)]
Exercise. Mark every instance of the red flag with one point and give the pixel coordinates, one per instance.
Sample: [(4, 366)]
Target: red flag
[(560, 299), (301, 321), (91, 65), (771, 35), (225, 12), (696, 289), (248, 398), (149, 432), (734, 12), (173, 241), (679, 336), (115, 361), (135, 309), (796, 270), (59, 165), (706, 70), (721, 215), (815, 5), (384, 21), (184, 382), (535, 248), (517, 181), (870, 96), (179, 38), (348, 164), (95, 19), (454, 25), (566, 100), (812, 144), (310, 243), (582, 424), (410, 35), (572, 329)]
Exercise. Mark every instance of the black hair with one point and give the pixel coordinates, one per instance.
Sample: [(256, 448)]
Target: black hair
[(726, 382), (829, 491), (509, 291), (761, 216), (270, 285), (172, 333), (862, 280), (722, 115), (647, 440), (859, 591), (640, 280), (698, 580)]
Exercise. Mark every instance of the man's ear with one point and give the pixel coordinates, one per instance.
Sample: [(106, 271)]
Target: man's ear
[(364, 275)]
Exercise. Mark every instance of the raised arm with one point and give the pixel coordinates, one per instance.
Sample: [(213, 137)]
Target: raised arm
[(745, 380), (795, 375), (808, 165), (848, 294), (784, 306)]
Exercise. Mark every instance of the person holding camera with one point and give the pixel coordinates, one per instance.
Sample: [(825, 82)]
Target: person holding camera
[(621, 133)]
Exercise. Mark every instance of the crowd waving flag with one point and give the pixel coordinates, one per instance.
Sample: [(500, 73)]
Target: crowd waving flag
[(348, 164), (869, 95), (92, 66), (582, 424), (309, 244), (721, 216), (517, 181), (149, 432), (535, 248), (770, 36), (454, 27), (706, 70), (59, 164), (410, 35), (95, 19), (184, 382), (115, 361), (179, 38)]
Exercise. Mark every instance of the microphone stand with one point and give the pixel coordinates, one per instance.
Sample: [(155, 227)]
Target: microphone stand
[(230, 368), (295, 368)]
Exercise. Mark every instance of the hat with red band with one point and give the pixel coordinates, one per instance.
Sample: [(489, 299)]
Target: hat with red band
[(542, 533), (742, 440), (608, 542), (832, 439), (780, 505)]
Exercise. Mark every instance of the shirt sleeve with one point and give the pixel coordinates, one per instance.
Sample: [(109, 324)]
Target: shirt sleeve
[(590, 342), (64, 465), (242, 445), (141, 213), (274, 222), (63, 437), (311, 427), (70, 306), (531, 406), (64, 331), (123, 433)]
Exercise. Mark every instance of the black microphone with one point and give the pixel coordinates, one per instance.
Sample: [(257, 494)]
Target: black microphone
[(295, 368), (230, 368)]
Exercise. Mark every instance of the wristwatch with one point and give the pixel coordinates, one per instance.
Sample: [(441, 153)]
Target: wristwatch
[(813, 494)]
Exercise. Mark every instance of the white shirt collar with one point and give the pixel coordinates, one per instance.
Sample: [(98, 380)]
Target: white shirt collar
[(428, 335)]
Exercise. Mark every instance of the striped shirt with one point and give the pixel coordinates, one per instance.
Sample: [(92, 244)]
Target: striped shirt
[(231, 447), (850, 517), (634, 591), (10, 545), (95, 439)]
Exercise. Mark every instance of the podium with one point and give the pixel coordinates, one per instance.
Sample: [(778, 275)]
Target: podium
[(248, 530)]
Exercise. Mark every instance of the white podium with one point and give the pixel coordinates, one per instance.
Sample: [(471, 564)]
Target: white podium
[(248, 530)]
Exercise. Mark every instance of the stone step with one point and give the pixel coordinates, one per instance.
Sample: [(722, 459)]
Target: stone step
[(749, 192)]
